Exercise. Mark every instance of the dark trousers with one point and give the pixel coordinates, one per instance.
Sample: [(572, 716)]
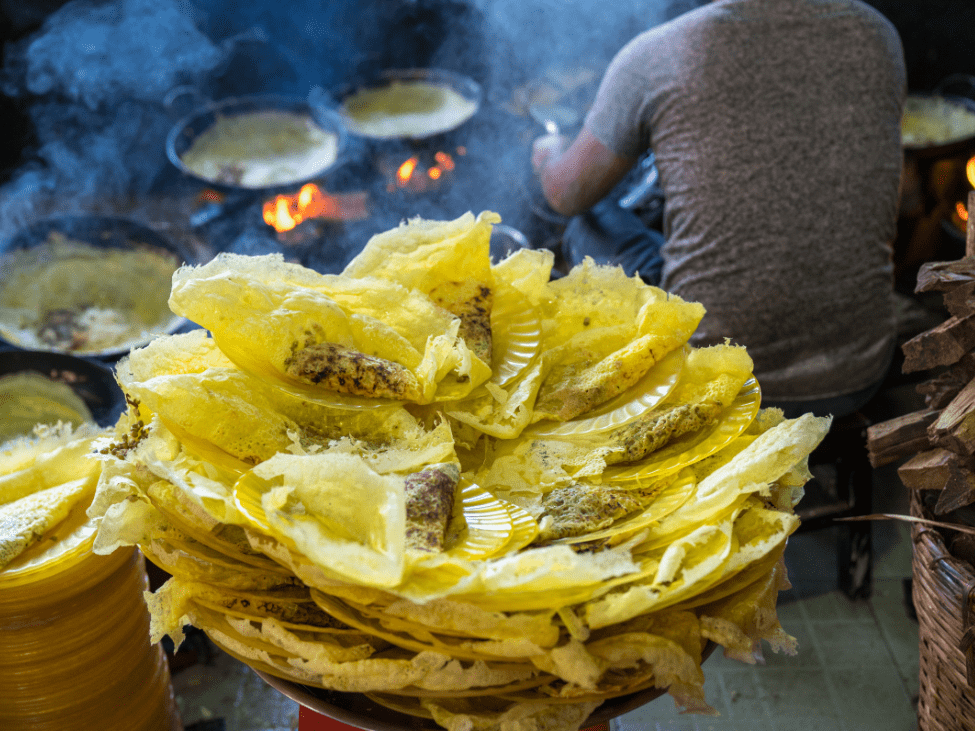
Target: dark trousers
[(615, 236)]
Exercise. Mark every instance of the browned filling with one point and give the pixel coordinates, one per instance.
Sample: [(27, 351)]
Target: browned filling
[(471, 302), (429, 505), (657, 428), (343, 369), (579, 509)]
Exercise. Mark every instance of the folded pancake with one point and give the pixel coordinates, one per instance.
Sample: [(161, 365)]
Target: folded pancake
[(472, 302), (25, 522), (322, 335), (711, 380), (196, 390), (602, 331), (449, 261), (579, 508), (339, 368)]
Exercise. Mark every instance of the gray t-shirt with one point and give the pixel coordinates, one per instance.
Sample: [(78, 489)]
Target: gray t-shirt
[(776, 130)]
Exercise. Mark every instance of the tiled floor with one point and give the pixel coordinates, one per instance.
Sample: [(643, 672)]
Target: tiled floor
[(856, 670), (857, 665)]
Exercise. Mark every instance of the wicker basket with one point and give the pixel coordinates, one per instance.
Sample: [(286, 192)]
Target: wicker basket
[(944, 598)]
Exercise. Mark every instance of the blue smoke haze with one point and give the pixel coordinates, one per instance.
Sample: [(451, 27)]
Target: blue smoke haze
[(96, 74)]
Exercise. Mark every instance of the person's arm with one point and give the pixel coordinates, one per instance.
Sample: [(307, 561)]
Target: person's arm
[(575, 176)]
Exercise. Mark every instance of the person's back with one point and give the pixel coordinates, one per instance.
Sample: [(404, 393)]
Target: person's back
[(776, 130)]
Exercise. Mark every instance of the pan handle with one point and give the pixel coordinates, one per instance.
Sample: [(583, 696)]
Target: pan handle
[(953, 83)]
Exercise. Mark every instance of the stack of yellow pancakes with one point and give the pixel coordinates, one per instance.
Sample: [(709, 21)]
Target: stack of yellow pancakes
[(474, 494), (73, 624)]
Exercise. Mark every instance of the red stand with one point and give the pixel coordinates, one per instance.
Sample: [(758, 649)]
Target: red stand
[(308, 720)]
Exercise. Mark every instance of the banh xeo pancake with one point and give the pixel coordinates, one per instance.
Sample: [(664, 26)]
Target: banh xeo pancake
[(29, 398), (405, 108), (43, 478), (261, 149), (448, 261), (264, 313), (564, 518), (70, 296)]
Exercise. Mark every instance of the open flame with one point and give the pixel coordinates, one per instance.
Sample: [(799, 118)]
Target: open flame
[(961, 207), (412, 175), (285, 212)]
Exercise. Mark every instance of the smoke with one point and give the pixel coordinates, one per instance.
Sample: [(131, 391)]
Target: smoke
[(134, 49), (569, 32), (96, 75), (93, 78)]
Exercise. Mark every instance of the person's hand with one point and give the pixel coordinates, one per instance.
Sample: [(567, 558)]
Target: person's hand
[(546, 148)]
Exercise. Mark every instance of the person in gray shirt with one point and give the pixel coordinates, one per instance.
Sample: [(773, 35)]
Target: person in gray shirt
[(775, 126)]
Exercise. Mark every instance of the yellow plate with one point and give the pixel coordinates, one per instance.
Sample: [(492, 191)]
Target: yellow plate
[(480, 527), (694, 447), (517, 334), (524, 529), (640, 398)]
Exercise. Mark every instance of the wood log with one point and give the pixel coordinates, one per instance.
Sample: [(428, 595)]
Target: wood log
[(939, 391), (958, 492), (930, 469), (902, 436), (943, 345), (960, 301), (954, 428), (943, 276)]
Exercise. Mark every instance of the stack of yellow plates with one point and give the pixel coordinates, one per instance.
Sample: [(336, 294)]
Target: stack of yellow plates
[(75, 636)]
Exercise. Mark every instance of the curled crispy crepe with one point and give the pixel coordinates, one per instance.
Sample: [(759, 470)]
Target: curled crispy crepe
[(188, 382), (305, 502), (578, 509), (449, 261), (27, 520), (602, 332), (321, 334), (709, 381), (52, 456)]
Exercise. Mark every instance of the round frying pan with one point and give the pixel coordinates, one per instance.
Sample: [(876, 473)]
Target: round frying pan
[(957, 89), (103, 232), (186, 131), (93, 382), (466, 87)]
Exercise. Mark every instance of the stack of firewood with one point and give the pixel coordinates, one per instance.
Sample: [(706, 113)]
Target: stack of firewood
[(939, 440)]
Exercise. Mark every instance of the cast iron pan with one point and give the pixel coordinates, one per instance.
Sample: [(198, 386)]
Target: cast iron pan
[(93, 382), (463, 85), (186, 130), (105, 232)]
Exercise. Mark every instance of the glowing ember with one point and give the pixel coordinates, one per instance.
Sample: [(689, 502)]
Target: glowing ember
[(961, 210), (285, 212), (411, 175), (444, 160), (405, 171)]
